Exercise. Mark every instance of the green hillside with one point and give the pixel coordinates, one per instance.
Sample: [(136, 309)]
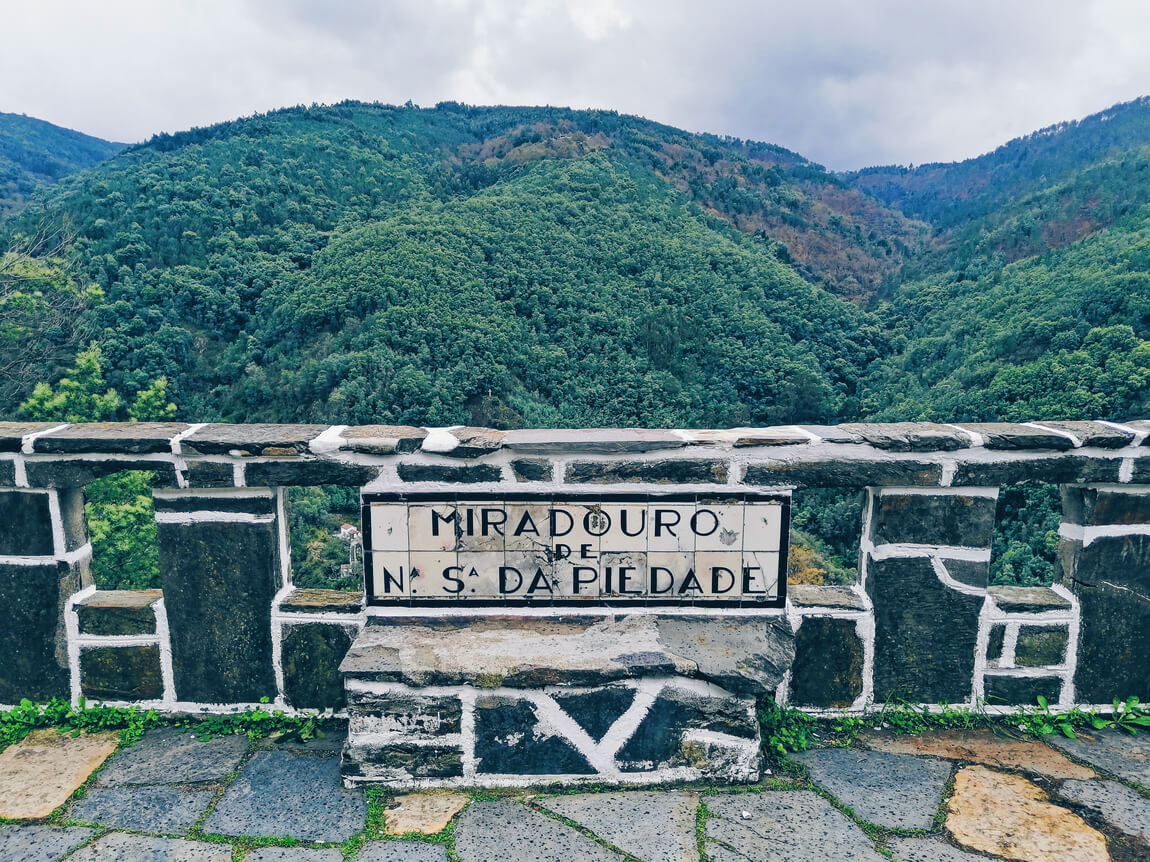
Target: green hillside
[(33, 153)]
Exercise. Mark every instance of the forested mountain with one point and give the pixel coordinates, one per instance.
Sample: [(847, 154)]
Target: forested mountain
[(33, 152)]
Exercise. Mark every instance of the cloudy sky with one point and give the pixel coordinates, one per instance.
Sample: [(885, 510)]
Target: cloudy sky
[(845, 82)]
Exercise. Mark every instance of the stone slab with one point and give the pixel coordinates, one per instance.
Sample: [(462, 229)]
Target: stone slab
[(1115, 803), (459, 475), (1006, 815), (909, 436), (285, 793), (40, 843), (253, 439), (929, 850), (299, 471), (49, 472), (118, 612), (783, 826), (892, 790), (510, 739), (816, 596), (1041, 646), (403, 851), (741, 654), (982, 746), (1114, 751), (843, 473), (27, 520), (1096, 507), (142, 808), (322, 602), (167, 755), (382, 439), (600, 441), (533, 470), (121, 847), (1010, 435), (131, 438), (295, 854), (489, 831), (1027, 600), (1095, 433), (426, 813), (654, 827), (1055, 469), (40, 772), (12, 433), (665, 472)]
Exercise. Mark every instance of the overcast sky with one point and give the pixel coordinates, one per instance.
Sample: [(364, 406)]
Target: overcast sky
[(847, 83)]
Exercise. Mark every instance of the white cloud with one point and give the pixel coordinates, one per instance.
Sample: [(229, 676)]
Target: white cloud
[(843, 82)]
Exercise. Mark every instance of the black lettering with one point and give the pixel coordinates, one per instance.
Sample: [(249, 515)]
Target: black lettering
[(471, 522), (562, 552), (690, 583), (489, 523), (595, 519), (715, 572), (455, 584), (524, 523), (655, 591), (607, 580), (540, 581), (642, 522), (661, 524), (503, 573), (452, 519), (695, 522), (747, 580), (389, 579), (579, 581), (554, 519), (624, 578), (585, 552)]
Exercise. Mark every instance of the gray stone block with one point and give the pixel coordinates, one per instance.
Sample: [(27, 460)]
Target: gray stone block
[(929, 850), (119, 612), (598, 441), (402, 851), (322, 602), (40, 843), (1020, 690), (488, 831), (474, 442), (665, 472), (121, 673), (1115, 803), (292, 472), (311, 657), (1027, 600), (510, 741), (783, 826), (1113, 751), (284, 793), (1056, 469), (942, 519), (12, 433), (253, 439), (924, 649), (532, 470), (817, 596), (382, 439), (1040, 646), (897, 791), (7, 474), (209, 474), (128, 438), (73, 474), (399, 762), (1010, 435), (439, 473), (1094, 507), (166, 755), (295, 854), (653, 826), (995, 642), (142, 808), (32, 638), (242, 502), (909, 436), (121, 847), (1095, 434), (847, 473), (27, 524), (827, 671), (425, 716), (219, 581)]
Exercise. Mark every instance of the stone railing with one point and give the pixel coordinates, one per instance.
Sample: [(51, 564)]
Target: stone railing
[(228, 628)]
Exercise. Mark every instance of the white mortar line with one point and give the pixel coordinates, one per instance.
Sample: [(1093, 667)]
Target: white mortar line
[(946, 478), (222, 493), (284, 539), (907, 550), (810, 435), (56, 518), (72, 640), (20, 477), (391, 737), (1087, 535), (1028, 672), (551, 720), (468, 760), (207, 517), (1068, 692), (327, 442), (865, 629), (1074, 439), (919, 491), (977, 441), (981, 647), (27, 441), (1139, 436), (92, 641), (177, 441), (1009, 645), (239, 479), (949, 580), (300, 618), (72, 557), (783, 691), (167, 672), (1126, 470)]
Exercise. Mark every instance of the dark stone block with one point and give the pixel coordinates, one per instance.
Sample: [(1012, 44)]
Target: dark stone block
[(532, 470), (1021, 690), (970, 572), (1009, 435), (209, 474), (599, 441), (929, 519), (509, 742), (439, 473), (909, 436), (596, 711), (401, 761), (1028, 600), (12, 433), (657, 472), (924, 633), (1092, 507), (32, 643), (7, 474), (852, 473), (828, 663), (253, 439), (382, 439), (73, 518), (1039, 646), (658, 741), (74, 473), (425, 716), (311, 657), (27, 522), (121, 673), (322, 602), (818, 596), (219, 580), (130, 438), (119, 612), (248, 505), (1053, 470), (308, 472), (994, 645)]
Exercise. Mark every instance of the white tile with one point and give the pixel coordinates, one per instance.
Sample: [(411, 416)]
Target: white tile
[(482, 525), (668, 527), (718, 527), (762, 527), (720, 574), (666, 572), (623, 574), (388, 526), (527, 527), (427, 568), (628, 527), (390, 574), (433, 527), (589, 575), (762, 577)]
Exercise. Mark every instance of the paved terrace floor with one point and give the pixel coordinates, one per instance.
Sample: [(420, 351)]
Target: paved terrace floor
[(955, 797)]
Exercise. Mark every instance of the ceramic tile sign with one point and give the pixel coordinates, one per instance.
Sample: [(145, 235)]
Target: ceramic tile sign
[(702, 549)]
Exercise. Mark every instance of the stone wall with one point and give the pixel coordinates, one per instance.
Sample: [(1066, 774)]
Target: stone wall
[(229, 628)]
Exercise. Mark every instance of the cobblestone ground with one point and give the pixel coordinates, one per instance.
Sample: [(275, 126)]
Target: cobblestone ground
[(943, 796)]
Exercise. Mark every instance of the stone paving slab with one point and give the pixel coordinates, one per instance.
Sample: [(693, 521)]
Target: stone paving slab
[(1113, 750), (406, 851), (929, 850), (656, 827), (40, 843), (893, 790), (783, 826), (40, 772), (167, 756), (428, 812), (489, 831), (287, 793), (1116, 803), (121, 847), (294, 854), (141, 808), (982, 746)]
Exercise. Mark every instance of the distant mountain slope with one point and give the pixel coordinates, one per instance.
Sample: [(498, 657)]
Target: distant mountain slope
[(508, 265), (34, 152)]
